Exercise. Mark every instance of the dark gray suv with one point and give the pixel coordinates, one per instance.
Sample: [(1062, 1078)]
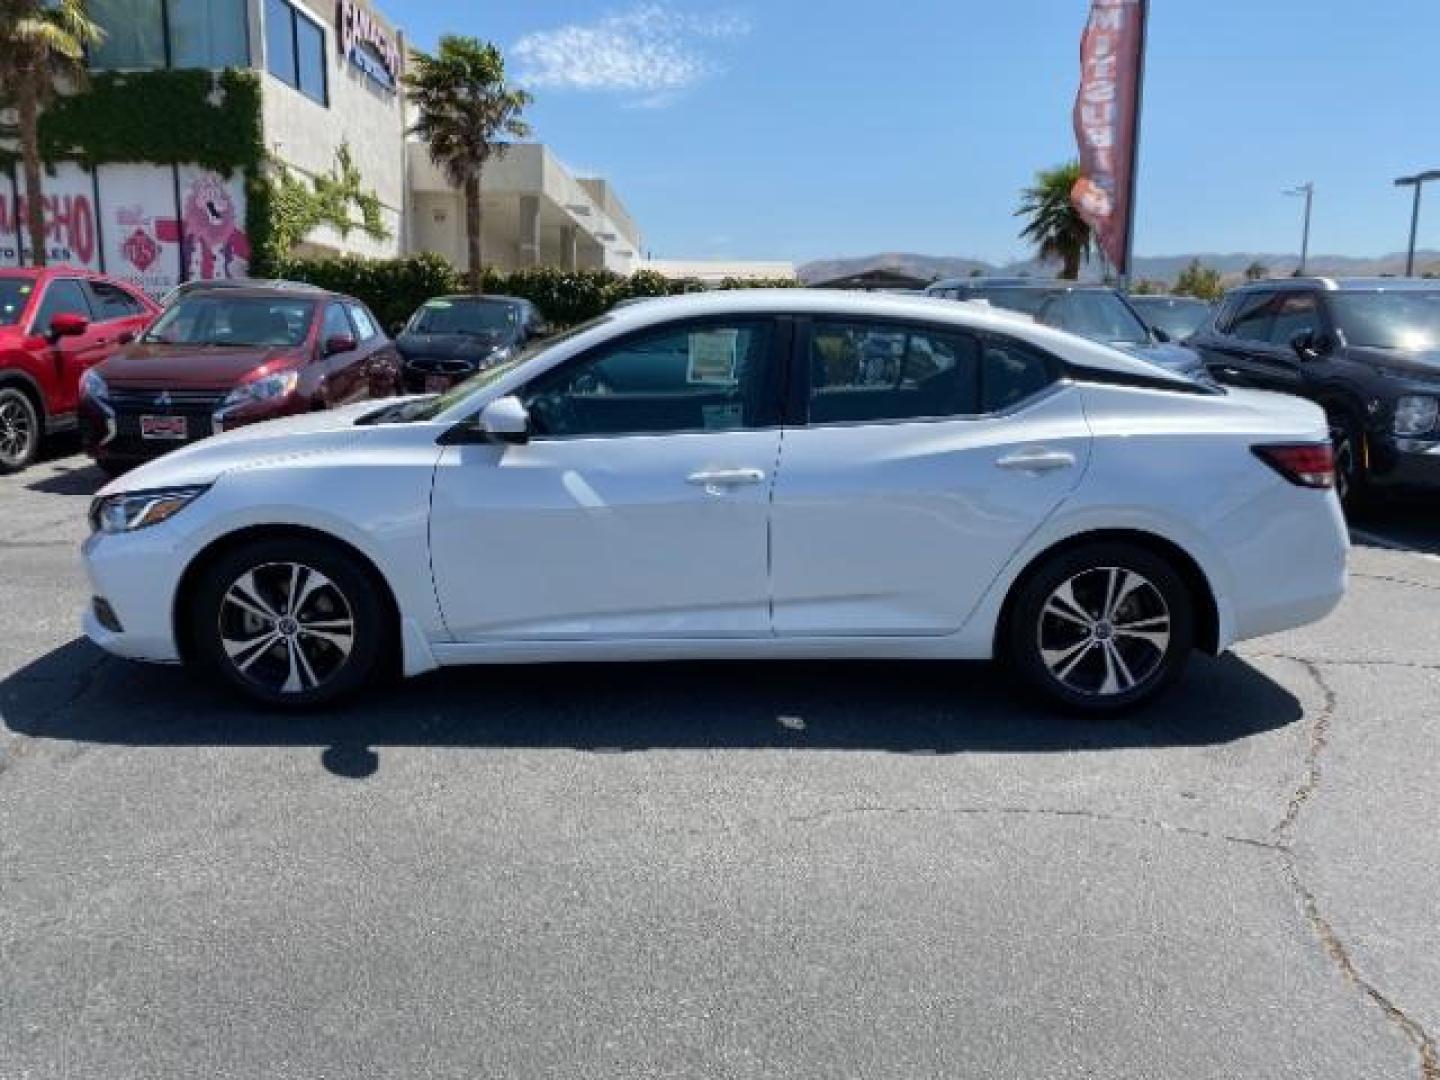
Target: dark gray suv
[(1365, 349), (1097, 312)]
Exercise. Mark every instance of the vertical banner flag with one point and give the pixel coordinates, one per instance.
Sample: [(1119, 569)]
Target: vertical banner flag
[(1107, 111)]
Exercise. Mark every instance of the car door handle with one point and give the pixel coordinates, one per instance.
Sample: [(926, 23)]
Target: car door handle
[(715, 481), (1037, 461)]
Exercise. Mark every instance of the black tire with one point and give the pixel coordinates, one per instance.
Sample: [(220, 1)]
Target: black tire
[(1112, 670), (20, 429), (1352, 479), (334, 588)]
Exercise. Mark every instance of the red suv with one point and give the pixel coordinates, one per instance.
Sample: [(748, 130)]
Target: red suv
[(221, 358), (54, 325)]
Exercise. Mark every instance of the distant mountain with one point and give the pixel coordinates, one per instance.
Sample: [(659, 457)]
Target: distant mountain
[(1162, 268)]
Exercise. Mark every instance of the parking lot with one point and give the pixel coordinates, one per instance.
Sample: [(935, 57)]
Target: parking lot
[(720, 870)]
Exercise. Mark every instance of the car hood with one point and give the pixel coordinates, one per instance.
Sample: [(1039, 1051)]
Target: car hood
[(198, 366), (264, 444), (1424, 364), (1174, 357), (453, 346)]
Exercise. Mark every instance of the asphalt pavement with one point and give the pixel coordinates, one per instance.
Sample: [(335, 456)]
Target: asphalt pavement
[(737, 870)]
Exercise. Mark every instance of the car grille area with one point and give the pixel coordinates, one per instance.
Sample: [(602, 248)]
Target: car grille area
[(195, 407)]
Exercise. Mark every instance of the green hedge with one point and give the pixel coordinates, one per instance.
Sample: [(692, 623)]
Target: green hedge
[(394, 288)]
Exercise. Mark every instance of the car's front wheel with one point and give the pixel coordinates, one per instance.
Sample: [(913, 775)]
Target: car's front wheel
[(19, 430), (292, 622), (1351, 477), (1102, 627)]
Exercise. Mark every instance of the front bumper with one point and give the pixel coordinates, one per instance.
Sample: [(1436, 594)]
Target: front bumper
[(138, 575), (112, 432), (1400, 465)]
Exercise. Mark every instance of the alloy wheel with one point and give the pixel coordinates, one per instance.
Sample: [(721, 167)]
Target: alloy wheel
[(286, 628), (1104, 632), (17, 430)]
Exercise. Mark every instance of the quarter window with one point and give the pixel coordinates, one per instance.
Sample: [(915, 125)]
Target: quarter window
[(1255, 317), (1295, 313), (703, 377), (112, 302), (365, 326), (62, 297), (863, 372)]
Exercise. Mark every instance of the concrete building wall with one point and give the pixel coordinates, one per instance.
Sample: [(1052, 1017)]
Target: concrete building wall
[(307, 135)]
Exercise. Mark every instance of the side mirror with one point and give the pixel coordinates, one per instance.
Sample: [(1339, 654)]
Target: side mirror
[(505, 420), (1162, 336), (126, 338), (339, 343), (1309, 345), (68, 324), (396, 329)]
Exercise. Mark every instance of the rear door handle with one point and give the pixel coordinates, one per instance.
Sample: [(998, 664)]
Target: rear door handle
[(1037, 461), (715, 481)]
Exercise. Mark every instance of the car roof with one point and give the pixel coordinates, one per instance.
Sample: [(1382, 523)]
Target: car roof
[(1344, 284), (271, 292), (460, 298), (1153, 298), (1076, 350), (1017, 283)]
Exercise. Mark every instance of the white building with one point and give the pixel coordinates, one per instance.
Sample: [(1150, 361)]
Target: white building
[(533, 213)]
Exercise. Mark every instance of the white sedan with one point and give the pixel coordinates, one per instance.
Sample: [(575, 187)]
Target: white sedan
[(784, 474)]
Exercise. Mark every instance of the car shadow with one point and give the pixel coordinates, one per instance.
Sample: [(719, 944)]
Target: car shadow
[(1412, 523), (70, 480), (77, 693)]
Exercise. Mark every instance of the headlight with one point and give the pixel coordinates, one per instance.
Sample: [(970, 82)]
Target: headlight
[(266, 389), (93, 386), (140, 509), (1416, 415)]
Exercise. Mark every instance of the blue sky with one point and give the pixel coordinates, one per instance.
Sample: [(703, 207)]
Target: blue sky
[(798, 129)]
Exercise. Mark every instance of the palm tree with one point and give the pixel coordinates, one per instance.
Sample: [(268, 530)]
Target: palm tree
[(1054, 225), (463, 105), (40, 41), (1257, 271)]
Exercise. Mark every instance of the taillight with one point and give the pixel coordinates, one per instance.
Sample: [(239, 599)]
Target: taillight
[(1310, 465)]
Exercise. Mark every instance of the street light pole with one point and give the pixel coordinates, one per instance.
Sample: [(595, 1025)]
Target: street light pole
[(1417, 182), (1308, 190)]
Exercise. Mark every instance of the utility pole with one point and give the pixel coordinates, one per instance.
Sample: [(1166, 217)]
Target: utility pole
[(1417, 182), (1308, 190)]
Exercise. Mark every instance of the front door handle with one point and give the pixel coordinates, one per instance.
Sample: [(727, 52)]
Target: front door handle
[(716, 481), (1037, 461)]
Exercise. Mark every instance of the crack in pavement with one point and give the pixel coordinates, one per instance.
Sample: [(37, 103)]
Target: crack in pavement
[(1393, 580), (1343, 661), (1028, 811), (1284, 832)]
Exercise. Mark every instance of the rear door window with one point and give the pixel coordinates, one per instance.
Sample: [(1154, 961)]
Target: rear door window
[(112, 302), (874, 372)]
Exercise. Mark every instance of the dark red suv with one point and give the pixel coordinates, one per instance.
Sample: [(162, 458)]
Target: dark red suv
[(54, 325), (223, 358)]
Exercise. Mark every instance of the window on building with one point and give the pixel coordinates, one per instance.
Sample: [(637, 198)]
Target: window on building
[(295, 49), (208, 34), (134, 34), (863, 372)]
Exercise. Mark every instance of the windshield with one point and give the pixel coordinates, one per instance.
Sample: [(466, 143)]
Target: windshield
[(1389, 320), (1177, 320), (214, 319), (465, 317), (1097, 315), (14, 295), (431, 407)]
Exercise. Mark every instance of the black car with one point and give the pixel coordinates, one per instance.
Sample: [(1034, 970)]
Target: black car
[(1367, 350), (450, 338), (1097, 312), (1179, 317)]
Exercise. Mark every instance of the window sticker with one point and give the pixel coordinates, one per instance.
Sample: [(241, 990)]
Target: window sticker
[(438, 304), (714, 356)]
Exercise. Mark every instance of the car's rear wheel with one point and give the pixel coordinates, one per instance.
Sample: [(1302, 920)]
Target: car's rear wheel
[(19, 429), (290, 622), (1101, 628)]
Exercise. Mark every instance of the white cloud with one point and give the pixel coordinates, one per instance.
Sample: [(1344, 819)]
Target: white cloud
[(650, 49)]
